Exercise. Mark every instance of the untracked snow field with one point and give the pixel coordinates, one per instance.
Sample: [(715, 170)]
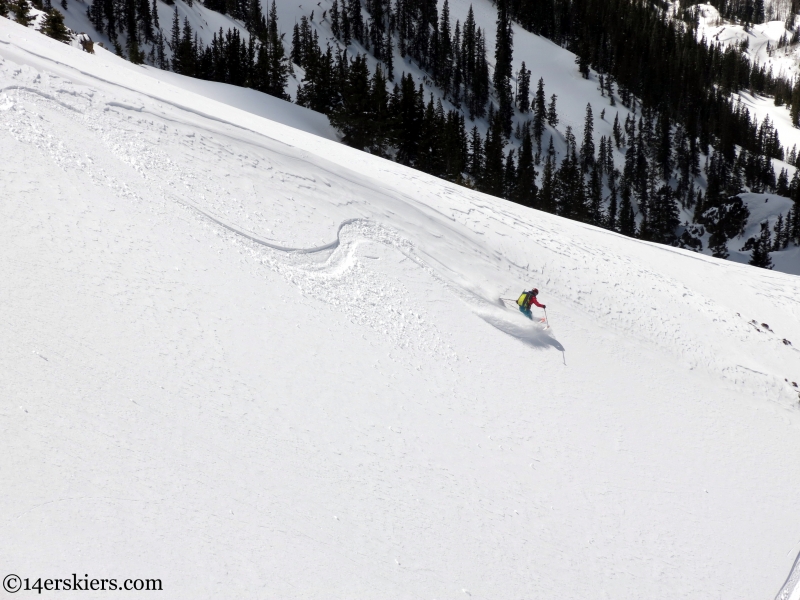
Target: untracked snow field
[(255, 363)]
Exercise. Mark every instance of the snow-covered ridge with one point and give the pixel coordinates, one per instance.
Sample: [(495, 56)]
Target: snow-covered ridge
[(546, 60), (187, 398)]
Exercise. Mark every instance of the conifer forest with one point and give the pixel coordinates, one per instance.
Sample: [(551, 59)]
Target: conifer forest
[(671, 172)]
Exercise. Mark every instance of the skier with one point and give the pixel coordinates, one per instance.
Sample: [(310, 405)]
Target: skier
[(525, 301)]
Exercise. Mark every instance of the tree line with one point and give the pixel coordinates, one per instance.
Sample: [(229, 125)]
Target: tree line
[(748, 12), (52, 24), (678, 89)]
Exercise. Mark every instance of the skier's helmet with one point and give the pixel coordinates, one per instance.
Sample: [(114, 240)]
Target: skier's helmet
[(535, 292)]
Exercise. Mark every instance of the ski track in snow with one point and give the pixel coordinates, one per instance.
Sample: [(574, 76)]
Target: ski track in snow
[(136, 150), (162, 153), (341, 279)]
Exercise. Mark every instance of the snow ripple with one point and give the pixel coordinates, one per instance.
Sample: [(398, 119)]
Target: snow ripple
[(791, 588)]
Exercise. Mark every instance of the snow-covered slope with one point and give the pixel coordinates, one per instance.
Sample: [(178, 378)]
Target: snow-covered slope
[(245, 99), (761, 46), (184, 397), (760, 41), (545, 59)]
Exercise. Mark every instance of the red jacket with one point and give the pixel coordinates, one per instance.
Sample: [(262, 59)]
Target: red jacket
[(535, 301)]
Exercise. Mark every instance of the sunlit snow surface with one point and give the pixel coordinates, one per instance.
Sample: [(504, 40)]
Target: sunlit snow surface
[(255, 363), (554, 64)]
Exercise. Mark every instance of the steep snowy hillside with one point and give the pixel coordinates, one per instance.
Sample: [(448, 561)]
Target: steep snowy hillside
[(769, 43), (252, 362), (557, 67)]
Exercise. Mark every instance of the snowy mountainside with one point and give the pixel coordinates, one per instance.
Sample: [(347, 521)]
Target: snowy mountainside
[(253, 362), (545, 59), (765, 207), (244, 99), (762, 40), (203, 21)]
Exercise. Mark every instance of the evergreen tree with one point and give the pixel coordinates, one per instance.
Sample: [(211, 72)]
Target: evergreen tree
[(428, 158), (794, 111), (346, 31), (129, 22), (161, 58), (552, 115), (609, 160), (602, 159), (760, 255), (175, 40), (718, 245), (468, 60), (276, 70), (781, 240), (187, 50), (443, 67), (610, 89), (379, 105), (480, 80), (136, 56), (627, 219), (525, 191), (793, 225), (662, 217), (491, 181), (595, 197), (54, 27), (782, 187), (458, 67), (611, 218), (454, 154), (318, 90), (509, 176), (547, 194), (335, 27), (540, 114), (102, 15), (356, 20), (408, 108), (154, 12), (144, 20), (758, 12), (664, 145), (253, 17), (296, 53), (22, 12), (354, 117), (388, 59), (524, 89), (587, 147), (570, 187), (503, 66), (583, 65), (475, 167)]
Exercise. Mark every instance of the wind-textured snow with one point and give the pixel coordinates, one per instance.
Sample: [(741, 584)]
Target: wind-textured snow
[(547, 60), (255, 363)]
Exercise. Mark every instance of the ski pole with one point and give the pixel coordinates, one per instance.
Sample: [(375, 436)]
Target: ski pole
[(547, 322)]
